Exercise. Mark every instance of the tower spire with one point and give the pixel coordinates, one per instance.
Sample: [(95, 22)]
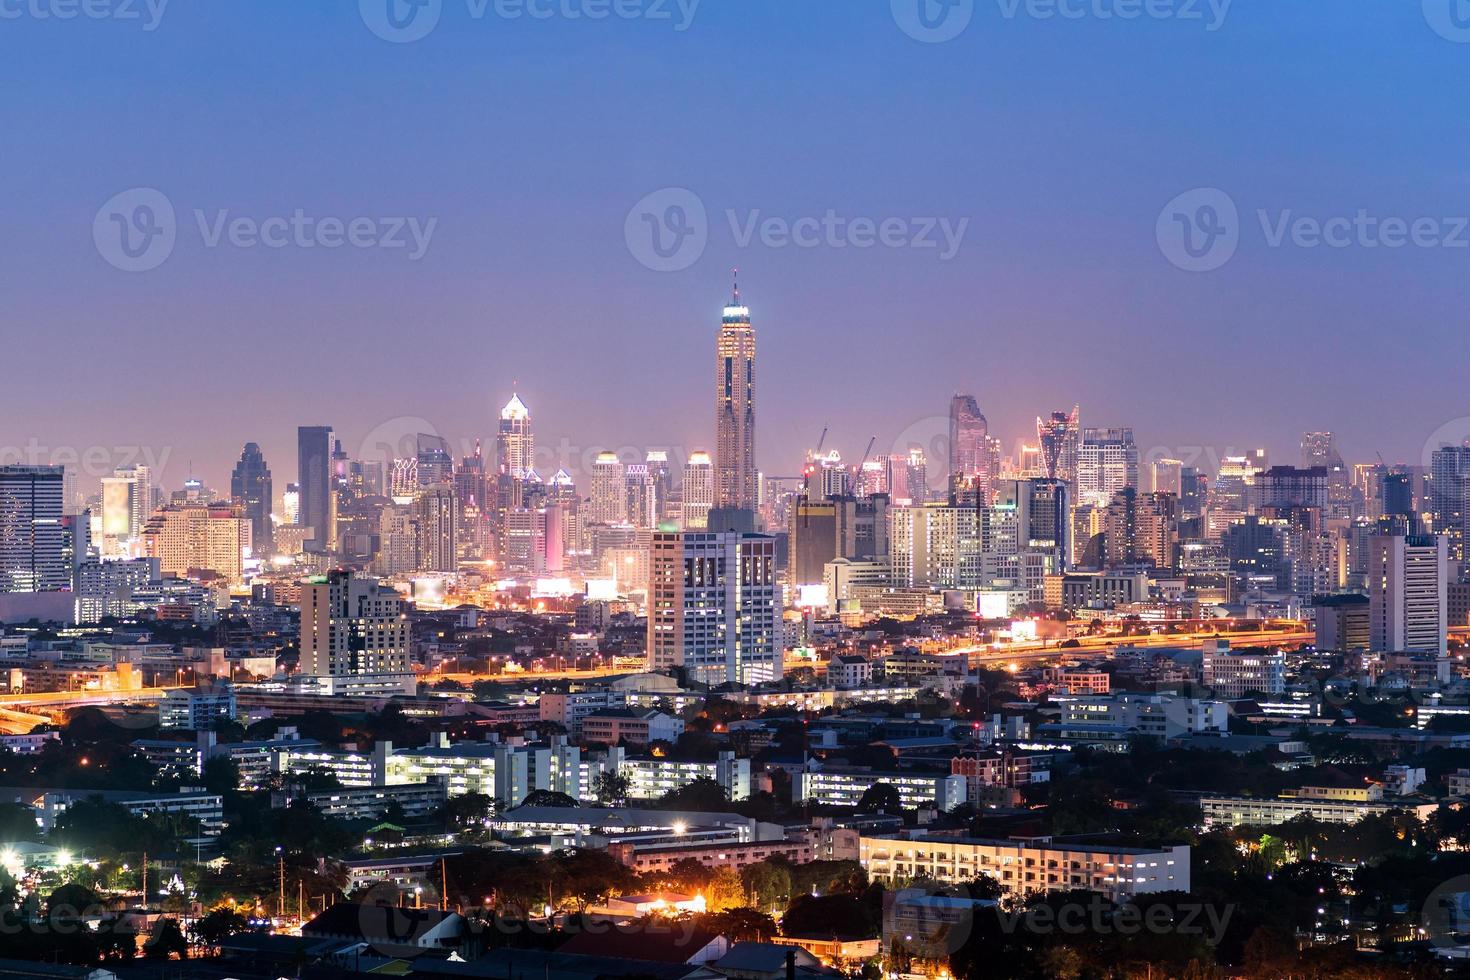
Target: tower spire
[(735, 277)]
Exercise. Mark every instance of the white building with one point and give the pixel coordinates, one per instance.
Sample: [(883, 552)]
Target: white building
[(1408, 580), (1231, 674), (354, 636), (1028, 867), (714, 607), (845, 788)]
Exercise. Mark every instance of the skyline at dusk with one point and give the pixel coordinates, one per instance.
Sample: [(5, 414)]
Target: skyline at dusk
[(1055, 144)]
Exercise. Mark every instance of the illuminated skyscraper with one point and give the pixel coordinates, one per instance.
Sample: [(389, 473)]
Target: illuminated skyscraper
[(609, 499), (699, 491), (1059, 435), (972, 463), (515, 445), (250, 485), (318, 507), (32, 552), (736, 478), (1107, 461), (354, 637)]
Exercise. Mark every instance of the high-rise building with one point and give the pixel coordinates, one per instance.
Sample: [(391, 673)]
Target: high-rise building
[(1290, 486), (661, 475), (250, 485), (642, 497), (1169, 476), (972, 462), (715, 607), (1449, 489), (32, 551), (736, 479), (127, 500), (436, 516), (1059, 435), (1107, 461), (515, 444), (1408, 581), (1142, 529), (608, 503), (354, 636), (699, 491), (189, 539), (318, 499)]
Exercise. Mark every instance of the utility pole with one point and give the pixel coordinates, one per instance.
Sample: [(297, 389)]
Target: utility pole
[(281, 905), (145, 880)]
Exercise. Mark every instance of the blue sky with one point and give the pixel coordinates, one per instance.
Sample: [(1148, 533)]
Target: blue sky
[(527, 141)]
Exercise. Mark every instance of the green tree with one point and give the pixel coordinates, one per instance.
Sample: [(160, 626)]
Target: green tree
[(880, 798)]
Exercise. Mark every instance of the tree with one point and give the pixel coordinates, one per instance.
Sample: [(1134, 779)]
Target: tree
[(547, 797), (768, 884), (221, 774), (880, 798), (167, 940), (611, 788), (217, 926), (740, 925), (725, 890)]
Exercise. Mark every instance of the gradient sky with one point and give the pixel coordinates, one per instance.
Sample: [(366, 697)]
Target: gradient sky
[(530, 141)]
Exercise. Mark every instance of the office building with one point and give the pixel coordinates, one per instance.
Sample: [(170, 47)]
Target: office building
[(33, 554), (250, 486), (1107, 462), (515, 443), (736, 478), (194, 540), (316, 495), (699, 491), (609, 501), (1059, 437), (1231, 674), (354, 636), (1408, 579), (715, 607)]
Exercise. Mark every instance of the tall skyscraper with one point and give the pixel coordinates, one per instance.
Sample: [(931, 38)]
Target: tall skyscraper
[(1408, 584), (436, 516), (318, 502), (1107, 461), (191, 538), (972, 464), (715, 607), (735, 473), (698, 492), (354, 636), (32, 551), (1449, 490), (1169, 476), (250, 485), (662, 478), (515, 444), (609, 499), (1058, 435)]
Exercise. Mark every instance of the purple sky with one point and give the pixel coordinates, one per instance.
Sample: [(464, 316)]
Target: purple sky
[(528, 142)]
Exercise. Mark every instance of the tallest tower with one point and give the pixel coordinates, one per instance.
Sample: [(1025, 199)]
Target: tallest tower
[(735, 475)]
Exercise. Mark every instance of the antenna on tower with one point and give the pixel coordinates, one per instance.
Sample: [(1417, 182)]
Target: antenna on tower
[(735, 277)]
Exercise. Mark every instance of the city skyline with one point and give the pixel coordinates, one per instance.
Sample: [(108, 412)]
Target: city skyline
[(530, 248)]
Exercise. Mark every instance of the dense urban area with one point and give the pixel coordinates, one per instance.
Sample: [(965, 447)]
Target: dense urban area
[(1063, 712)]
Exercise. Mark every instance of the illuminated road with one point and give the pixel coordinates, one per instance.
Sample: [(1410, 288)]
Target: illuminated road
[(1298, 635), (16, 720)]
